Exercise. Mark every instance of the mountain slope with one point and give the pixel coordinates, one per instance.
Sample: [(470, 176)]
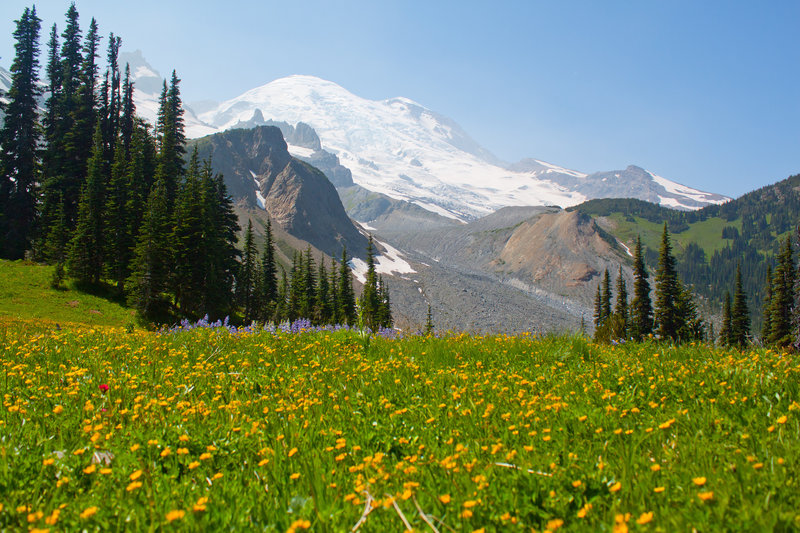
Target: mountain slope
[(260, 171)]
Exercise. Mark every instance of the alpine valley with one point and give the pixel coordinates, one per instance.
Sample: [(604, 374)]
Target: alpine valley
[(486, 244)]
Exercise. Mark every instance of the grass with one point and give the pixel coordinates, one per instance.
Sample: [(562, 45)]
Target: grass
[(707, 234), (207, 430), (25, 293)]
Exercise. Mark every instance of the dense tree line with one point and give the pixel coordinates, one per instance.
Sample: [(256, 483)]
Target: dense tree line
[(87, 185)]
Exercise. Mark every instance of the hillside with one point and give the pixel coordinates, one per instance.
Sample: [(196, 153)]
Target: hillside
[(710, 241), (25, 294)]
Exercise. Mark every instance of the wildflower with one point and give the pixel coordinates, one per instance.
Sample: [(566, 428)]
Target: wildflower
[(204, 456), (135, 475), (48, 462), (444, 498), (644, 518), (554, 524), (103, 387), (705, 496), (184, 438), (90, 469), (165, 452), (175, 515), (615, 487), (88, 512), (216, 476), (294, 476), (135, 447), (133, 486), (699, 481), (57, 410), (658, 490), (655, 468), (292, 452), (193, 465), (782, 419)]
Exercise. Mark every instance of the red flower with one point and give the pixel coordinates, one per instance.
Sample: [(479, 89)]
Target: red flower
[(103, 387)]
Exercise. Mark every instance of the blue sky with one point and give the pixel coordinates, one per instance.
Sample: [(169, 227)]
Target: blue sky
[(703, 93)]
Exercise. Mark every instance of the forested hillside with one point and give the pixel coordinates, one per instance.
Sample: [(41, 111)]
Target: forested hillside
[(711, 241)]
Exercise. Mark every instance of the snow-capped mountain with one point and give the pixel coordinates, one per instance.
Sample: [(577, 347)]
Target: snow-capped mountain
[(5, 84), (402, 149)]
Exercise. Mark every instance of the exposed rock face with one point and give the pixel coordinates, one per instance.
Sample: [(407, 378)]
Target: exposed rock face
[(297, 196)]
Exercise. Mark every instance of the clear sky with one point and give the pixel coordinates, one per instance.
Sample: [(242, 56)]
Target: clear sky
[(706, 93)]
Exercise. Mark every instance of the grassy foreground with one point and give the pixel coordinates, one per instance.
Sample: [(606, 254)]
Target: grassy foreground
[(205, 430)]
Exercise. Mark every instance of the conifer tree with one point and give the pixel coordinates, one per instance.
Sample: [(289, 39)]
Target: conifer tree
[(281, 308), (189, 243), (598, 307), (385, 319), (334, 293), (245, 281), (150, 271), (309, 285), (369, 294), (428, 322), (269, 279), (691, 326), (172, 139), (85, 261), (19, 142), (346, 300), (782, 297), (740, 315), (322, 306), (620, 317), (766, 326), (297, 289), (605, 297), (119, 240), (668, 290), (641, 309), (128, 111), (725, 333)]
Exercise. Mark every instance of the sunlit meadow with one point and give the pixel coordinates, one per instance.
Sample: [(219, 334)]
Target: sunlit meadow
[(102, 428)]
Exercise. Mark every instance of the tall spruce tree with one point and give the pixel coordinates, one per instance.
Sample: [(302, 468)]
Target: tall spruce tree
[(346, 299), (85, 261), (245, 281), (740, 315), (149, 278), (668, 290), (641, 308), (783, 279), (369, 295), (119, 240), (19, 142), (620, 320), (189, 243), (269, 279), (385, 318)]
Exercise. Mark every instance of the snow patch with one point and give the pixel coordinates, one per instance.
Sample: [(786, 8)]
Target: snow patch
[(627, 250), (300, 151), (391, 262), (259, 196), (682, 190)]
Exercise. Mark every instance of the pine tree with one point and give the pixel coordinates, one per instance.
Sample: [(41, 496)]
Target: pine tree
[(172, 139), (782, 297), (297, 289), (346, 300), (725, 333), (385, 319), (766, 326), (322, 306), (428, 322), (369, 294), (740, 315), (149, 278), (119, 240), (641, 309), (309, 285), (85, 261), (620, 324), (19, 140), (128, 112), (269, 278), (598, 307), (189, 243), (334, 293), (691, 326), (668, 290), (245, 281)]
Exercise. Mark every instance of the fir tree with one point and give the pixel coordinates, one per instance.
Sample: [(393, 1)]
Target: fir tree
[(740, 315), (598, 307), (19, 142), (322, 306), (309, 285), (119, 240), (782, 297), (149, 278), (245, 281), (668, 290), (85, 262), (641, 309), (269, 278), (334, 293), (620, 316), (385, 319), (346, 300), (605, 297), (428, 322), (691, 326), (369, 295)]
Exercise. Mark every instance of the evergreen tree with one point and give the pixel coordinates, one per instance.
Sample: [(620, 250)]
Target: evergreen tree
[(691, 326), (385, 319), (620, 324), (309, 285), (428, 322), (346, 300), (322, 306), (605, 297), (334, 294), (150, 271), (766, 326), (641, 309), (19, 140), (782, 297), (598, 307), (297, 289), (171, 136), (281, 308), (740, 315), (85, 261), (119, 240), (189, 243), (245, 281), (128, 111), (725, 332), (269, 278), (369, 295), (668, 290)]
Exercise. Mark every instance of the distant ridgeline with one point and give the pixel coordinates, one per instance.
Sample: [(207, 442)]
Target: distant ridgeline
[(710, 241)]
